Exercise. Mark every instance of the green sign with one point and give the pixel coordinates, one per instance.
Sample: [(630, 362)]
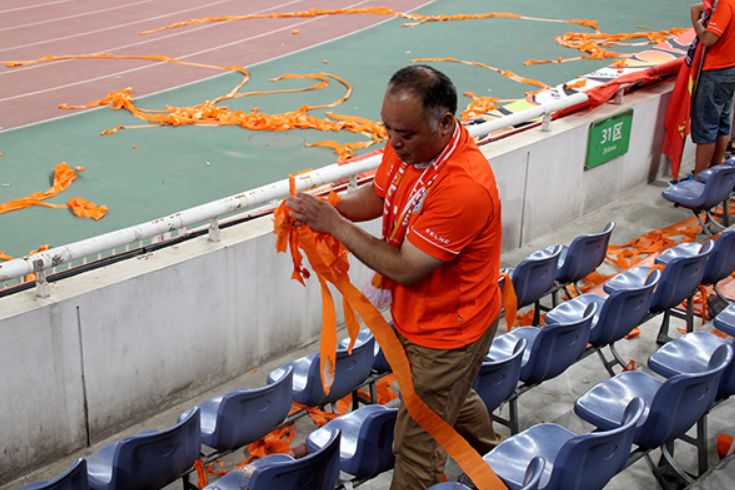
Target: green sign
[(609, 138)]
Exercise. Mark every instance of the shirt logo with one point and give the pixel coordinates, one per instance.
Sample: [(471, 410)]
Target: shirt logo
[(437, 237)]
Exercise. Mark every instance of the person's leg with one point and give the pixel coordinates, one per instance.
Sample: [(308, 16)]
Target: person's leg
[(722, 100), (703, 157), (705, 121), (718, 153), (442, 378)]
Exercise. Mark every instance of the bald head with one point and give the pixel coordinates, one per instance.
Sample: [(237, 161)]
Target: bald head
[(433, 88)]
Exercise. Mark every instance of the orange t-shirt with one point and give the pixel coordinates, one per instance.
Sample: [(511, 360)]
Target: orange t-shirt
[(722, 24), (459, 224)]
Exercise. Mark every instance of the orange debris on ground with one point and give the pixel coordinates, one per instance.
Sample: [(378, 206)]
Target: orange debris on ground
[(209, 113), (594, 44), (415, 18), (63, 178)]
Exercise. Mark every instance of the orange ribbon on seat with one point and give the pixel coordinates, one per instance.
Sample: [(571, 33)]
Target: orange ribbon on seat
[(328, 259), (510, 300)]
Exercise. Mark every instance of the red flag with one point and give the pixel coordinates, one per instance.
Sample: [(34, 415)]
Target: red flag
[(678, 114)]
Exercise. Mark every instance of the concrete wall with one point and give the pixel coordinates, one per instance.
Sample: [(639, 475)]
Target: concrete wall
[(129, 339)]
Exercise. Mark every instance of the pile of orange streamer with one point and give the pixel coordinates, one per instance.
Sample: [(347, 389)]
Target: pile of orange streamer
[(63, 178), (594, 45), (327, 257), (415, 18), (210, 113)]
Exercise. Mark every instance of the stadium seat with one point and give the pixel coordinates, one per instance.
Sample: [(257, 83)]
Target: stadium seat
[(549, 350), (673, 405), (74, 478), (315, 471), (380, 363), (572, 461), (691, 353), (242, 416), (531, 479), (583, 256), (149, 460), (499, 375), (535, 277), (703, 196), (617, 315), (366, 447), (683, 272), (725, 321), (351, 371)]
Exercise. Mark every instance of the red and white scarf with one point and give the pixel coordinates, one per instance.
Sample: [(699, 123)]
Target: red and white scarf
[(395, 223)]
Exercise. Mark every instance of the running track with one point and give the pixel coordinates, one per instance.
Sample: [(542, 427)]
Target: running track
[(32, 29)]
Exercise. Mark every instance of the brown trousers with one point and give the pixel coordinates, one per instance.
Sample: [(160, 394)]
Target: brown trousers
[(443, 379)]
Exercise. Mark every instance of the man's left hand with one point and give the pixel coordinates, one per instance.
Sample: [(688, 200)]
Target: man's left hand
[(317, 213)]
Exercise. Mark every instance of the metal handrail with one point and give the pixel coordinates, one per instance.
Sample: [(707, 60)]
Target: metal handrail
[(212, 211)]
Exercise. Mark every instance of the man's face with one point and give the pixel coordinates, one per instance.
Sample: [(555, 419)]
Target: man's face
[(411, 131)]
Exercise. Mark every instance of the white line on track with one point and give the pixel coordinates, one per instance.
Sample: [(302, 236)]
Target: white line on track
[(27, 7), (83, 14), (117, 26), (179, 32), (194, 82)]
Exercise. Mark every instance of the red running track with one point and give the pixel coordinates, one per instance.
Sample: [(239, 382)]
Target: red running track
[(30, 30)]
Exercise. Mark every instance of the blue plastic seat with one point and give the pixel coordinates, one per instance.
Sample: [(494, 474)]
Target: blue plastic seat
[(549, 350), (366, 447), (498, 376), (380, 363), (149, 460), (672, 405), (315, 471), (617, 315), (242, 416), (683, 272), (721, 262), (703, 196), (535, 277), (725, 320), (531, 480), (691, 353), (573, 461), (350, 372), (74, 478), (583, 256)]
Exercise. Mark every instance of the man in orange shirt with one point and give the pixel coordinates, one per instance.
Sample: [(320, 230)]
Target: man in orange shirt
[(712, 107), (439, 259)]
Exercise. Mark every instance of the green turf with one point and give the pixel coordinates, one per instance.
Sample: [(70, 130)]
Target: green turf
[(145, 174)]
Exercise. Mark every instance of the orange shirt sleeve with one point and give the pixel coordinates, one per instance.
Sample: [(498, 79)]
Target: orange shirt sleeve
[(451, 220), (720, 20)]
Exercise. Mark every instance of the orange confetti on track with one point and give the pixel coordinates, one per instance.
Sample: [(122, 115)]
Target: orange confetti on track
[(209, 113), (415, 18)]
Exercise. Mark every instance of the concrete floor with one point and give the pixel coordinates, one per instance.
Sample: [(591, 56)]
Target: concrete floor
[(640, 210)]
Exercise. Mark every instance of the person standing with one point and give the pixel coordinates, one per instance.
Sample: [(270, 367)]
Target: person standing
[(438, 261), (712, 107)]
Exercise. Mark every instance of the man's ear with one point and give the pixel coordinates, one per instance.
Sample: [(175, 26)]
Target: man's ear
[(447, 123)]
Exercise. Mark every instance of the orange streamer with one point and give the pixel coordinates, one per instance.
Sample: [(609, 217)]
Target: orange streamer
[(278, 441), (208, 113), (510, 300), (202, 477), (506, 73), (325, 257), (64, 176), (414, 17)]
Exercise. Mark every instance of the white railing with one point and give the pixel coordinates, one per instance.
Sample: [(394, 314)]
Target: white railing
[(213, 211)]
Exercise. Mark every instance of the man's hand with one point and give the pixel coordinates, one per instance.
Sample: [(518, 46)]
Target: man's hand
[(317, 213)]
